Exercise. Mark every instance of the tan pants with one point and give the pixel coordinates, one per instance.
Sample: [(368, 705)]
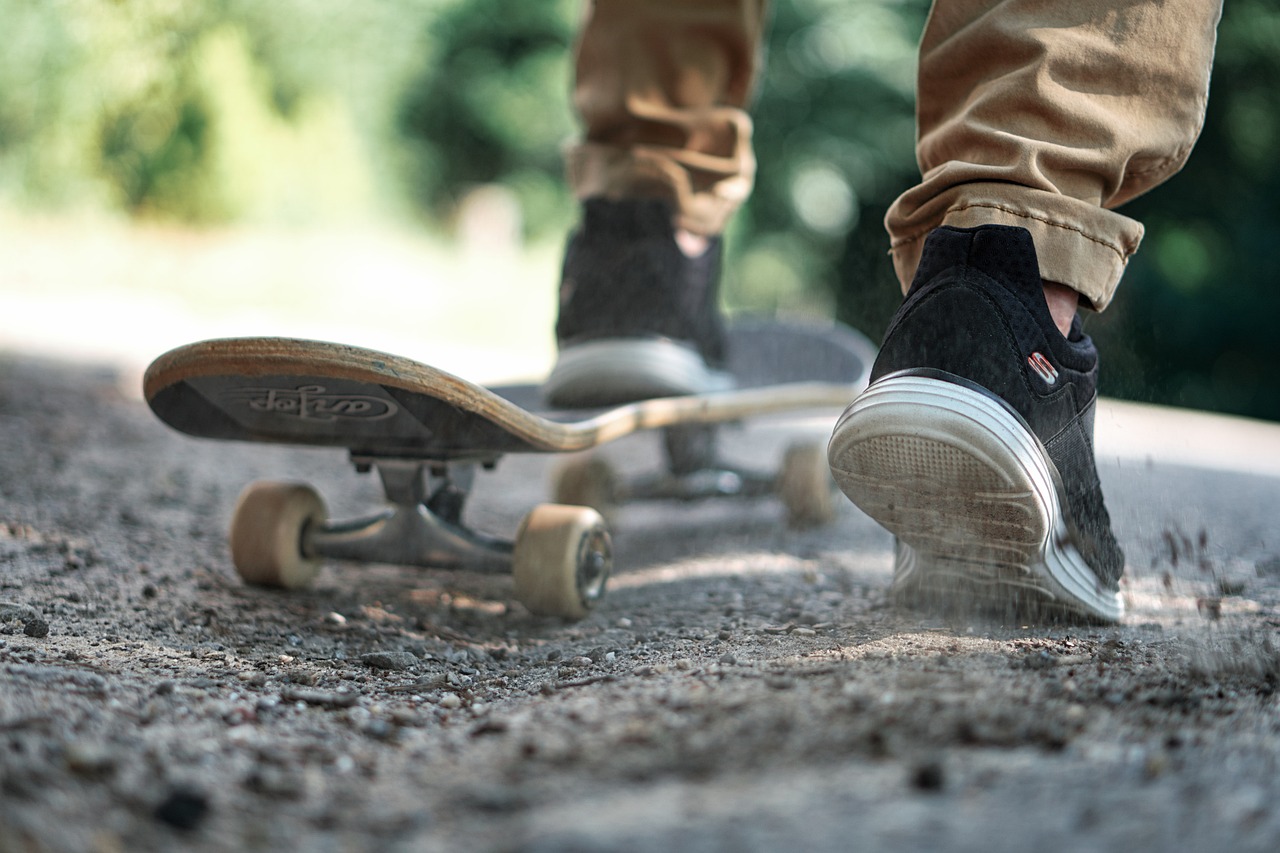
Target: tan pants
[(1040, 113)]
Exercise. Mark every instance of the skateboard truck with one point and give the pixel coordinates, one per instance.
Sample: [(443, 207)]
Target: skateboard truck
[(560, 558), (421, 526), (695, 471)]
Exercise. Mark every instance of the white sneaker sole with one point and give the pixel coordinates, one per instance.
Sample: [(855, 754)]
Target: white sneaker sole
[(970, 494), (604, 373)]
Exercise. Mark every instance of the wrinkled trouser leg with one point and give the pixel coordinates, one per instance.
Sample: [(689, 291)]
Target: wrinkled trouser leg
[(661, 88), (1047, 114)]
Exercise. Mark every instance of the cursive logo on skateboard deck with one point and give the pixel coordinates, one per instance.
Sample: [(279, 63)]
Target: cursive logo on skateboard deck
[(312, 403)]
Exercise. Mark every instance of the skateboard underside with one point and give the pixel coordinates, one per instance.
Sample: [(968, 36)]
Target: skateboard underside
[(373, 404)]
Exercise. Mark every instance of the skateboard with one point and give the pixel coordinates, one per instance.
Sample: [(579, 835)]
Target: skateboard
[(427, 433)]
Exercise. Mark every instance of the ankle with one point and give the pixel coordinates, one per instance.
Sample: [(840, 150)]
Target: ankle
[(692, 245), (1063, 303)]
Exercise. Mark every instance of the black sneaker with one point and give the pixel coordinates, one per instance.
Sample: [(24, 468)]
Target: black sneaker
[(973, 443), (638, 318)]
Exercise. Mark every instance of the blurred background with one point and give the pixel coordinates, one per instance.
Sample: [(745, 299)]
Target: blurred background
[(389, 174)]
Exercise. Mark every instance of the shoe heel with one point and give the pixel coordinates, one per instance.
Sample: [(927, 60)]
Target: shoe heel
[(947, 469), (969, 494)]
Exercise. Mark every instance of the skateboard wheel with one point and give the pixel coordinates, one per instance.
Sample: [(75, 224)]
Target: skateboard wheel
[(805, 486), (561, 560), (587, 481), (267, 530)]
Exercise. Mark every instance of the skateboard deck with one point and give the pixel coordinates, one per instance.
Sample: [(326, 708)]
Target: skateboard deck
[(375, 404), (426, 431)]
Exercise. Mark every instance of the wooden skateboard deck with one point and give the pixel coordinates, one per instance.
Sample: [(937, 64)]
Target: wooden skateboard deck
[(376, 404)]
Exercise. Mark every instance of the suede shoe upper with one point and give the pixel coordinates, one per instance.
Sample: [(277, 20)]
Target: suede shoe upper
[(625, 277), (976, 314)]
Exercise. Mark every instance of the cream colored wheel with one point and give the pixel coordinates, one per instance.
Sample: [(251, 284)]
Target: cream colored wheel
[(267, 530), (587, 481), (561, 560), (805, 486)]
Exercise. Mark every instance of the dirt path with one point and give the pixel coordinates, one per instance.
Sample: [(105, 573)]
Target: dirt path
[(742, 687)]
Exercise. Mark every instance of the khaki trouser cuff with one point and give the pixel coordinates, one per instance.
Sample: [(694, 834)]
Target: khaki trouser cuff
[(1079, 245), (662, 89), (607, 171)]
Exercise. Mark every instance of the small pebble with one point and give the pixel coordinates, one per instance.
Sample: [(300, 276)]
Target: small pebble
[(393, 661), (1155, 766), (275, 782), (490, 726), (379, 729), (183, 809), (14, 612), (37, 628), (89, 759), (928, 776), (450, 701), (406, 717), (322, 698)]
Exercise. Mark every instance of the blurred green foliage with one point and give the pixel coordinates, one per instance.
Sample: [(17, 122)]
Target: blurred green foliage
[(835, 141), (218, 111), (492, 106), (1194, 322), (321, 110)]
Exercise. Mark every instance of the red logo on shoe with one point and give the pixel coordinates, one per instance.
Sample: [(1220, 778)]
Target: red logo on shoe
[(1043, 368)]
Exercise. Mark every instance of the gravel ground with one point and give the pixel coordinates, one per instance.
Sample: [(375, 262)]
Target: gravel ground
[(743, 687)]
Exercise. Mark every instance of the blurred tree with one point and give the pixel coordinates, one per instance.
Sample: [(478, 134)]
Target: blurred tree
[(201, 112), (89, 92), (1194, 321), (492, 106), (835, 141)]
